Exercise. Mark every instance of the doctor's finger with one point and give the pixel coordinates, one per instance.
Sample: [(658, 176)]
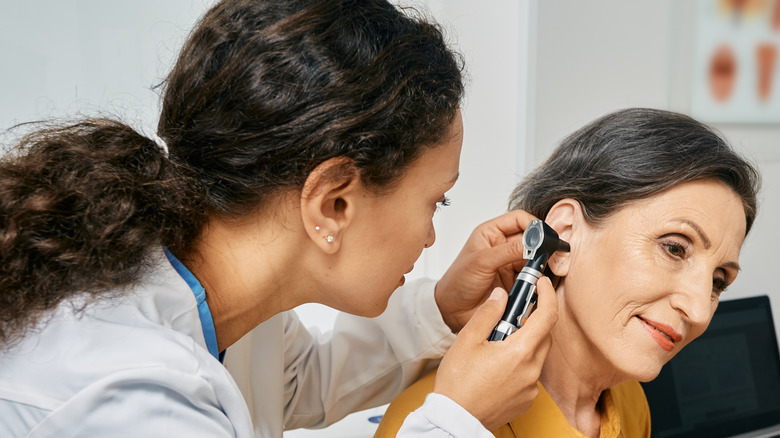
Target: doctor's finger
[(509, 253), (542, 320), (481, 324), (511, 223)]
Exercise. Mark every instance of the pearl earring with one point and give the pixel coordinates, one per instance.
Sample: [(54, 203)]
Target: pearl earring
[(328, 239)]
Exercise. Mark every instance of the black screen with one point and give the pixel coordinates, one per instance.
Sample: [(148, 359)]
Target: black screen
[(725, 382)]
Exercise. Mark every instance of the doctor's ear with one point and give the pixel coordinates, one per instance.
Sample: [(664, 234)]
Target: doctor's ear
[(328, 202), (565, 217)]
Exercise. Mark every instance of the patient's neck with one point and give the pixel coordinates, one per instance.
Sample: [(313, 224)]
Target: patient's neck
[(575, 375)]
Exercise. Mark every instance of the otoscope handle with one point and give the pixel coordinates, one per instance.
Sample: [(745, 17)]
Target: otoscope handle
[(539, 243), (522, 299)]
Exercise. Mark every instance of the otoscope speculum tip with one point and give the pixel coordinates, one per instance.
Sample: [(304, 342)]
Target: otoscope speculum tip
[(541, 238)]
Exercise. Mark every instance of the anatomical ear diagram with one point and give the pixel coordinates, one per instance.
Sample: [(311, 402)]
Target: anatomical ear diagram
[(724, 66)]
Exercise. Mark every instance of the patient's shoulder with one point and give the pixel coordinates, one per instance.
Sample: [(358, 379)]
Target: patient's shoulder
[(409, 400), (631, 404), (629, 394)]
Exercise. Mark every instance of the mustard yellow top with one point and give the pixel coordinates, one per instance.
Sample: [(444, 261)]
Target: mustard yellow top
[(625, 414)]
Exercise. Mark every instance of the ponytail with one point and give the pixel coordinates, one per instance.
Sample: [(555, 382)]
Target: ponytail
[(80, 208)]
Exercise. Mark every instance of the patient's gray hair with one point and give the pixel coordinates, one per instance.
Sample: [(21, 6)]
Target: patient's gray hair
[(630, 155)]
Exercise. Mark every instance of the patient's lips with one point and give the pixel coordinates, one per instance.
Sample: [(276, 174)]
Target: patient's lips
[(722, 73), (664, 335)]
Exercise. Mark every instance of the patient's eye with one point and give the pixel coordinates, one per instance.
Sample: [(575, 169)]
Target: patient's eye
[(676, 246), (720, 281), (719, 285), (675, 249)]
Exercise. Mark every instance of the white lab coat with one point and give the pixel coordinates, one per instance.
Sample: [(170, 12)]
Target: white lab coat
[(138, 366)]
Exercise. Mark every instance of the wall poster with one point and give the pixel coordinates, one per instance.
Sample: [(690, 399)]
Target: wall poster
[(736, 67)]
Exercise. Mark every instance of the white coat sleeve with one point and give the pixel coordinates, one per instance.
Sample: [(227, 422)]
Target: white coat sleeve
[(440, 417), (142, 402), (363, 362)]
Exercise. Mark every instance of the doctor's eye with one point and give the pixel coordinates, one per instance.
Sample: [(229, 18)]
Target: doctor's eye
[(445, 202)]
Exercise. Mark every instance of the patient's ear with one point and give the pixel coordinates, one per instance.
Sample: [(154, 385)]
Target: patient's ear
[(565, 217)]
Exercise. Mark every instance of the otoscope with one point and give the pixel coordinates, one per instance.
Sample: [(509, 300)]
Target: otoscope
[(539, 243)]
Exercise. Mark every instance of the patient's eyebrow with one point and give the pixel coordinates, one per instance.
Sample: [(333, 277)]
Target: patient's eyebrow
[(699, 231), (706, 241)]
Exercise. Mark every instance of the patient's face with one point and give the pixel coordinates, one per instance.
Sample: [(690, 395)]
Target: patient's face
[(646, 282)]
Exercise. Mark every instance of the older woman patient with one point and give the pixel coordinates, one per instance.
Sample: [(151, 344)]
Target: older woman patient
[(655, 206)]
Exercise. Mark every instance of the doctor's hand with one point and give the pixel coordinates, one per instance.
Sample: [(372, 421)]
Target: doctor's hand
[(489, 259), (496, 381)]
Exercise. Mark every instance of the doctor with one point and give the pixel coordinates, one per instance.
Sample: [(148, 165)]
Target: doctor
[(146, 292)]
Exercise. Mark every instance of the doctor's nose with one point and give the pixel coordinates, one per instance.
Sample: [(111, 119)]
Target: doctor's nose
[(431, 237)]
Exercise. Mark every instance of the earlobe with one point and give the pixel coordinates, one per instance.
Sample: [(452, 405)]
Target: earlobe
[(564, 218), (327, 200)]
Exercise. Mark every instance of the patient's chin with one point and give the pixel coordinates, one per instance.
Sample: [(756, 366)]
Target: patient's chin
[(648, 377), (647, 373)]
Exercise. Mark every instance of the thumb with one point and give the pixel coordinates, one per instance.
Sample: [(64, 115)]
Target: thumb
[(486, 317)]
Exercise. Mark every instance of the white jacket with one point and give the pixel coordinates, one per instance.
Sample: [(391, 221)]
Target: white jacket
[(138, 366)]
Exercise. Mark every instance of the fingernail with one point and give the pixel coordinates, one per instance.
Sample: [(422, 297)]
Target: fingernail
[(495, 295)]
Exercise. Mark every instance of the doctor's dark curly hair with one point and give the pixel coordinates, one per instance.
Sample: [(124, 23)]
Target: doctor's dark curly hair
[(263, 91)]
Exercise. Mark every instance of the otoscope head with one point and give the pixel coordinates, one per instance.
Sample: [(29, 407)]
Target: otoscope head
[(539, 238)]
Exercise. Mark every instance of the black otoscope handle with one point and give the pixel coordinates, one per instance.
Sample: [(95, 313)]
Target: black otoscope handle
[(539, 243), (521, 302)]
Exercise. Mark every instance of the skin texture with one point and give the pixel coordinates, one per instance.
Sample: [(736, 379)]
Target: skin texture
[(660, 261)]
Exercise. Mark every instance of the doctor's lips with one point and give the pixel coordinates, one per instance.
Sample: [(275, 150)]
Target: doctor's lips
[(403, 277), (664, 335)]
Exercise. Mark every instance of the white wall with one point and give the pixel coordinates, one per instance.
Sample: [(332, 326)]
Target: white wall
[(89, 56), (493, 36)]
